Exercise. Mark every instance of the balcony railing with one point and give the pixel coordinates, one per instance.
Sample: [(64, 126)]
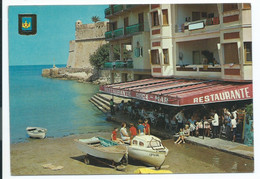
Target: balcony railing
[(118, 64), (108, 11), (118, 32), (117, 8), (114, 34), (134, 28), (108, 35), (130, 6)]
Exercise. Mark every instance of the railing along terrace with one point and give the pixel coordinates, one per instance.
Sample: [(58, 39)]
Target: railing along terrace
[(118, 64), (118, 32), (108, 11), (108, 34), (117, 8), (134, 28)]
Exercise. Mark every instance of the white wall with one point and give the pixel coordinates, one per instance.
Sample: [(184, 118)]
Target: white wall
[(144, 61)]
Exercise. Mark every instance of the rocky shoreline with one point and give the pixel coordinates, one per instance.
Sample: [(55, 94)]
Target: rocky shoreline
[(81, 75)]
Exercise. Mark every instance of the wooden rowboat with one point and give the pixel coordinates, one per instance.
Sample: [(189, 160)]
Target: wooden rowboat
[(36, 132), (102, 148)]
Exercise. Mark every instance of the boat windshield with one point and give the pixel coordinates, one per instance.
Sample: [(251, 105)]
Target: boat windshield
[(154, 143)]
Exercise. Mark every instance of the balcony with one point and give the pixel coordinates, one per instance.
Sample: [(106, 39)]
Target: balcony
[(134, 28), (118, 32), (122, 8), (118, 8), (199, 24), (114, 34), (108, 11), (119, 65), (130, 6), (108, 35)]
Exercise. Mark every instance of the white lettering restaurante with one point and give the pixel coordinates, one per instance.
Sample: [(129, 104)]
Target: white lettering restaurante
[(242, 93)]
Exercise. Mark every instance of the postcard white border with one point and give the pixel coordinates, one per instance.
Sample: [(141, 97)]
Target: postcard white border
[(5, 83)]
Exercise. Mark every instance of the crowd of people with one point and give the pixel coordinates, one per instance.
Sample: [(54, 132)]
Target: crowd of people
[(143, 128), (210, 121)]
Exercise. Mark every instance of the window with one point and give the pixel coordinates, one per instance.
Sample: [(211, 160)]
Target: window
[(165, 16), (195, 16), (248, 51), (141, 21), (125, 24), (196, 57), (165, 56), (231, 53), (138, 52), (112, 26), (141, 143), (155, 59), (246, 6), (135, 142), (229, 7), (155, 18), (204, 15)]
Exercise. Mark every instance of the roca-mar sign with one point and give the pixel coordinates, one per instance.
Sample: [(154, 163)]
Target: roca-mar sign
[(239, 92)]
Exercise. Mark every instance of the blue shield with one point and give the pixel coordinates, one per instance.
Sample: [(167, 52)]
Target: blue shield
[(26, 23)]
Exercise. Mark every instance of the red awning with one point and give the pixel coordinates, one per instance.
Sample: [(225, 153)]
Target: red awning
[(181, 92)]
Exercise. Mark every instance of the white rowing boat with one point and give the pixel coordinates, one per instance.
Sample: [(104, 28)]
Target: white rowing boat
[(36, 132), (102, 148)]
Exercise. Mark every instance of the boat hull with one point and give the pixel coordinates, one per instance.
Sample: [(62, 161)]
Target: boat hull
[(113, 153), (36, 132), (147, 156)]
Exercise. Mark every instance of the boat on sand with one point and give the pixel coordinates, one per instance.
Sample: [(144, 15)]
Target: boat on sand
[(148, 149), (36, 132), (101, 148)]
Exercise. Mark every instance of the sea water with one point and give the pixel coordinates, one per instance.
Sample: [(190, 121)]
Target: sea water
[(61, 106)]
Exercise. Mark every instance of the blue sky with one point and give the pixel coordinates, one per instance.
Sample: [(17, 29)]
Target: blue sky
[(55, 28)]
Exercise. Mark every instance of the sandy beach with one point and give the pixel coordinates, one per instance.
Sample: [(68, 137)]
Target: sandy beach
[(28, 158)]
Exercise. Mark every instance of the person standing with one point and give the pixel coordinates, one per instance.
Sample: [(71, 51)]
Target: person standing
[(233, 128), (132, 130), (146, 127), (112, 106), (215, 124), (180, 119), (140, 127)]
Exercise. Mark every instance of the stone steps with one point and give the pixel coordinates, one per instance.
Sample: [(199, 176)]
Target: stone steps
[(98, 105), (102, 101)]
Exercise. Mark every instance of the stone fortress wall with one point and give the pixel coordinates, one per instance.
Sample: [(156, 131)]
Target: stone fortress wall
[(88, 38)]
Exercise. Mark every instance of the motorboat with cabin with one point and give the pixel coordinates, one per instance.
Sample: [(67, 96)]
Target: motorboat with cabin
[(148, 149)]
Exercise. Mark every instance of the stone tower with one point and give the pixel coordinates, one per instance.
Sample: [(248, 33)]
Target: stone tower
[(88, 38)]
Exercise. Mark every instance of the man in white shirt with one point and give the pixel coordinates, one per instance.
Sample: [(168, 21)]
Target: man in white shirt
[(215, 124), (180, 119), (234, 128)]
